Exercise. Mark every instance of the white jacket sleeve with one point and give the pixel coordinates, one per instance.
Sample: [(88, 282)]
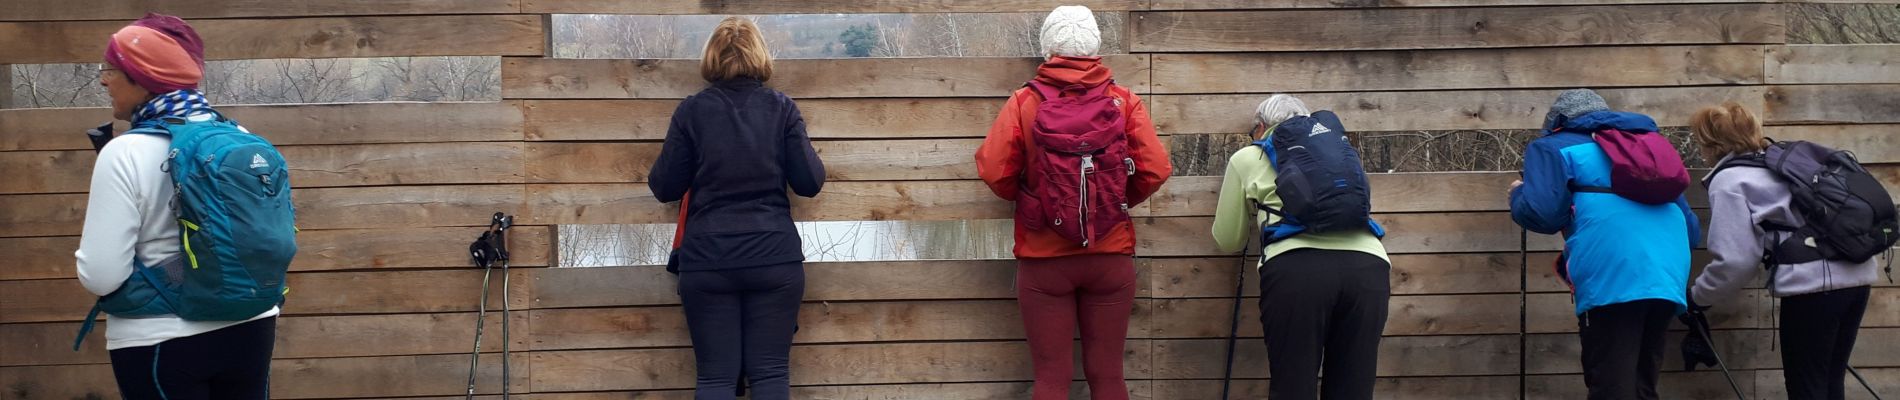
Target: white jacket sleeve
[(106, 245)]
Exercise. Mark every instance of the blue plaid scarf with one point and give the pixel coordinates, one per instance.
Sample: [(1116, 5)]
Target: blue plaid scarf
[(180, 103)]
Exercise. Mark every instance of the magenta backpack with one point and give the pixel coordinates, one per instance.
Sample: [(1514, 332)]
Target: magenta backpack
[(1079, 163), (1644, 167)]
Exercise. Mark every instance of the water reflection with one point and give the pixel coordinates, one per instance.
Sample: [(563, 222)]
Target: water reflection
[(648, 244)]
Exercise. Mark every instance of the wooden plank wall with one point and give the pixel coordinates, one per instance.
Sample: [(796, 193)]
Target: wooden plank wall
[(389, 192)]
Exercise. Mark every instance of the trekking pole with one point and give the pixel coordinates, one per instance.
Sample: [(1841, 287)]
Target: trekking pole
[(1718, 359), (1523, 312), (502, 223), (1863, 382), (1233, 331), (483, 253)]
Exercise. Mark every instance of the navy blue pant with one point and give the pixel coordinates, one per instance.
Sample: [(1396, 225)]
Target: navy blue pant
[(742, 322), (1817, 337), (230, 363), (1623, 348), (1323, 311)]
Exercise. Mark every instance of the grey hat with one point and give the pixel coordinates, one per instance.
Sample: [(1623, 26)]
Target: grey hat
[(1571, 104)]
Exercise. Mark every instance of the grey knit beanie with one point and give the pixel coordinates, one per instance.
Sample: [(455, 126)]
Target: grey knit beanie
[(1571, 104)]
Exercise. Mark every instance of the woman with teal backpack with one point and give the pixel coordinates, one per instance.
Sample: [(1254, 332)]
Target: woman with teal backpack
[(151, 245)]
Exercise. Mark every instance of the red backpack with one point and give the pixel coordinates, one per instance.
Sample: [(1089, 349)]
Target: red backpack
[(1644, 167), (1079, 161)]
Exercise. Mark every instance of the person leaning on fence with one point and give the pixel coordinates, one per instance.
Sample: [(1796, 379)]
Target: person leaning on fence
[(131, 247), (737, 145), (1752, 212), (1323, 295), (1074, 151), (1626, 261)]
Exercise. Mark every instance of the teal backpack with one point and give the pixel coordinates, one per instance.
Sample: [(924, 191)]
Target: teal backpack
[(235, 220)]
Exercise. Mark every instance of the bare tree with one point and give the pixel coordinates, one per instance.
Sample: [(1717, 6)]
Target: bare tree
[(1843, 23)]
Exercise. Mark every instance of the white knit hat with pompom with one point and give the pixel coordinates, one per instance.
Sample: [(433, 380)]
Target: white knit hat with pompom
[(1071, 31)]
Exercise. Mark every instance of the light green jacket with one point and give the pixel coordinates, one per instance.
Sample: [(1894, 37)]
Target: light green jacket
[(1249, 180)]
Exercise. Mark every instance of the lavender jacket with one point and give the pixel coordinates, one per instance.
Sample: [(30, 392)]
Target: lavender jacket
[(1740, 199)]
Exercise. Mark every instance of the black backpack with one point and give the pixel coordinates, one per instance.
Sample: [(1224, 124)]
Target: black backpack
[(1321, 184), (1849, 216)]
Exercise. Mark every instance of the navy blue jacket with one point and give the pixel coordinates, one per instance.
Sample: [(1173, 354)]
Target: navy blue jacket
[(737, 145)]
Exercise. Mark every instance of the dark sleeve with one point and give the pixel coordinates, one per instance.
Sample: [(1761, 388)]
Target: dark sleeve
[(672, 173), (1542, 204), (804, 172), (1695, 223)]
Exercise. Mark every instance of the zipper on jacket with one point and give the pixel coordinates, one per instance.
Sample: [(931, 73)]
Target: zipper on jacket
[(1082, 208)]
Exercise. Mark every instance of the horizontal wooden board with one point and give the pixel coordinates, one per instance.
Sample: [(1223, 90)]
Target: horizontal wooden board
[(1406, 234), (1673, 384), (593, 120), (1884, 380), (383, 292), (856, 160), (1834, 64), (62, 171), (542, 78), (824, 281), (1740, 349), (852, 364), (807, 7), (445, 35), (292, 124), (297, 337), (1408, 388), (963, 320), (1441, 110), (1456, 69), (354, 249), (840, 201), (48, 10), (1871, 143), (1474, 314), (70, 171), (1456, 28), (1398, 356), (1411, 274), (385, 377), (1833, 104), (1271, 4), (405, 206), (1556, 312)]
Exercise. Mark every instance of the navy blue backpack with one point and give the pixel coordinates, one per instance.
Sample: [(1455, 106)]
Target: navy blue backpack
[(1321, 184)]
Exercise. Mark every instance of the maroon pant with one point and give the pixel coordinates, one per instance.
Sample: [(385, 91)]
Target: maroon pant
[(1094, 292)]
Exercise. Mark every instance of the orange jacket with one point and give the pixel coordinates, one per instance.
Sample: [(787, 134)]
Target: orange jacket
[(1002, 157)]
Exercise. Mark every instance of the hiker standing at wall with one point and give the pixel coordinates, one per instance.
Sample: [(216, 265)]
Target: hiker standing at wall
[(1626, 245), (1753, 212), (1324, 282), (191, 317), (1074, 151), (737, 145)]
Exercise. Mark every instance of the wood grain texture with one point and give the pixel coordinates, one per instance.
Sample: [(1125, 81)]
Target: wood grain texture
[(825, 281), (47, 10), (808, 7), (297, 337), (1833, 64), (293, 124), (646, 120), (538, 78), (1456, 69), (445, 35), (1160, 5), (1407, 388), (382, 292), (350, 249), (1407, 111), (1833, 104), (855, 160), (1398, 356), (1412, 274), (1456, 28), (391, 376), (1406, 234), (1871, 144), (70, 171), (844, 364)]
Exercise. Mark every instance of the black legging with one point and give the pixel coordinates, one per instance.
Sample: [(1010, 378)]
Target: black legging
[(1323, 307), (1623, 348), (742, 321), (230, 363), (1817, 336)]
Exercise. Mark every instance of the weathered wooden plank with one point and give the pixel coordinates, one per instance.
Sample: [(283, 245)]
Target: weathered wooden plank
[(1674, 384), (1398, 356), (846, 201), (646, 369), (1160, 5), (807, 7), (42, 214), (1833, 64), (1138, 390), (1474, 314), (394, 376), (1476, 232), (381, 292), (1740, 349), (1768, 383), (1407, 388), (856, 160), (1556, 313), (68, 171), (405, 206), (297, 337), (1412, 274), (961, 320), (1833, 104), (292, 124), (1409, 192), (574, 120), (1456, 69), (404, 164), (539, 78), (1407, 111), (1872, 144), (826, 281), (445, 35), (529, 246), (1456, 28), (37, 10)]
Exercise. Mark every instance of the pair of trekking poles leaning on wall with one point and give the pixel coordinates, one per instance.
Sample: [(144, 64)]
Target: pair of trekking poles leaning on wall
[(189, 230)]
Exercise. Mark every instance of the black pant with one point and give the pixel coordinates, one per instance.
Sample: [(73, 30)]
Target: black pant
[(1817, 336), (1623, 348), (230, 363), (742, 321), (1323, 310)]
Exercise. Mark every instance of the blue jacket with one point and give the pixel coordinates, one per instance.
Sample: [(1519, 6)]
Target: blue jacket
[(737, 145), (1616, 250)]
